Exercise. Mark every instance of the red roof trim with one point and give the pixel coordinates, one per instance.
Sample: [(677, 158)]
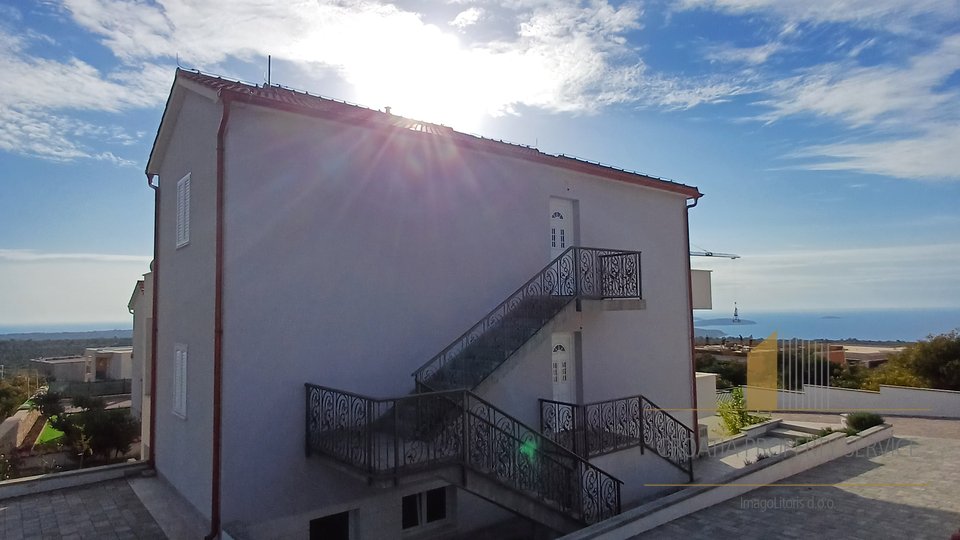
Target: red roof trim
[(308, 104)]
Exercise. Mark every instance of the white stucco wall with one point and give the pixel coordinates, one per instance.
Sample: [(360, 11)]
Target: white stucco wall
[(706, 395), (185, 306), (140, 358), (350, 259), (889, 401)]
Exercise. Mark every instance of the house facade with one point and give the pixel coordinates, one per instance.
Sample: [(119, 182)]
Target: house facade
[(311, 255)]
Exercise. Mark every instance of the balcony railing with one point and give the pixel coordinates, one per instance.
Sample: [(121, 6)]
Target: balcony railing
[(585, 273), (602, 427), (389, 438)]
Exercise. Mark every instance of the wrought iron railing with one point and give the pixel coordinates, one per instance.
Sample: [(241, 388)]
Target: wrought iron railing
[(587, 273), (602, 427), (389, 438)]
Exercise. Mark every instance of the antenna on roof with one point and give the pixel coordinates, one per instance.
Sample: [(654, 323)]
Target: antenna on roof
[(269, 69)]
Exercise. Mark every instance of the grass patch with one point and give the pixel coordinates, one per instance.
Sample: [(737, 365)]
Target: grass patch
[(49, 435)]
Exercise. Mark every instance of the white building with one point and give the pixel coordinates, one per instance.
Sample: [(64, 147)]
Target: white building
[(96, 364), (141, 306), (303, 241)]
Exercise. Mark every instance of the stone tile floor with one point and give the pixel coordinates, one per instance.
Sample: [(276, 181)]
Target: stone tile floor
[(903, 488), (104, 511), (912, 494)]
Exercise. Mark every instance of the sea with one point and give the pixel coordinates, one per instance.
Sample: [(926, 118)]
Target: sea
[(863, 325)]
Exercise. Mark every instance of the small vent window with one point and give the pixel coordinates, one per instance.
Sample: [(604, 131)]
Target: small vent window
[(183, 211), (180, 380)]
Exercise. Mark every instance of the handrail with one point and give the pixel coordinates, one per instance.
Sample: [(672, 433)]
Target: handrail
[(578, 272), (601, 427), (670, 438), (388, 438)]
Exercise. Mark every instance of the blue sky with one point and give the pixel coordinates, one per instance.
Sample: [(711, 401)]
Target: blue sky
[(825, 134)]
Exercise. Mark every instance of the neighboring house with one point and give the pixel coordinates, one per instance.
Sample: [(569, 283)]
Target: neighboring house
[(96, 364), (141, 306), (310, 254)]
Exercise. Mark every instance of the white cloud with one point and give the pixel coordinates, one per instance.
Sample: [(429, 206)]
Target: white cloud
[(467, 17), (910, 120), (33, 256), (747, 55), (559, 56), (931, 156), (862, 277), (860, 95), (890, 15), (37, 96)]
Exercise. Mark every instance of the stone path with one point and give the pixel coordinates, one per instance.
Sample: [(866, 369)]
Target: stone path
[(903, 488), (107, 510)]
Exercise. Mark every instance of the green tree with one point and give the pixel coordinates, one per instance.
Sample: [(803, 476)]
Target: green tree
[(937, 359), (930, 363)]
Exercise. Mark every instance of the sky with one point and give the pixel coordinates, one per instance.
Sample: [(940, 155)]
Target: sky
[(825, 135)]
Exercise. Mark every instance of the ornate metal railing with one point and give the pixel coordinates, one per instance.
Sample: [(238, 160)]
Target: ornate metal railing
[(388, 438), (668, 437), (587, 273), (602, 427)]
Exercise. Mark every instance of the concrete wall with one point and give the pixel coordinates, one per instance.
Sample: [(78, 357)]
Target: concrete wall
[(706, 395), (65, 370), (185, 278), (141, 359), (352, 258), (889, 401), (14, 430), (701, 286)]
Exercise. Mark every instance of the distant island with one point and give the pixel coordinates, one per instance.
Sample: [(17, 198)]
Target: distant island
[(93, 334), (724, 321), (831, 317)]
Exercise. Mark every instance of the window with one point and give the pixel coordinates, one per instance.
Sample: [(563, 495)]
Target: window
[(183, 211), (333, 527), (180, 380), (423, 508)]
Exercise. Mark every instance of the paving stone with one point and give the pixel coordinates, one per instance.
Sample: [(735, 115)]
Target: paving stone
[(912, 494), (103, 511)]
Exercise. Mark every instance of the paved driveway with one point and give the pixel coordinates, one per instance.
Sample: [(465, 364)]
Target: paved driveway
[(907, 487), (107, 510)]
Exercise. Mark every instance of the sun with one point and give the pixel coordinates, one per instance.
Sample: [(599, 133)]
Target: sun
[(426, 76)]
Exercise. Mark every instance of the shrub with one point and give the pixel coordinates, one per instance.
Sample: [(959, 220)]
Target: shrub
[(860, 421), (734, 413)]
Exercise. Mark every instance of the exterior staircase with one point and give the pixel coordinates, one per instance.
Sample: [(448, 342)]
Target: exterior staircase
[(595, 429), (445, 430), (577, 273), (467, 441)]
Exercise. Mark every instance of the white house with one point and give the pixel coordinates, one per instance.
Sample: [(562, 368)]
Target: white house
[(96, 364), (310, 255), (141, 306)]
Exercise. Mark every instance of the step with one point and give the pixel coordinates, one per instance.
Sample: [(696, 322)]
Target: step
[(812, 428), (788, 433)]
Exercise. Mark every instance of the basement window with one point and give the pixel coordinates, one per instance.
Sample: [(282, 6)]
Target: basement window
[(333, 527), (423, 508)]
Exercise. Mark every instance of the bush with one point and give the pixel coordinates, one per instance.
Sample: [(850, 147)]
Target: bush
[(863, 420), (734, 413)]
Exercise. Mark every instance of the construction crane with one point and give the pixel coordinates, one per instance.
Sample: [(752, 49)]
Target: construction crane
[(713, 254)]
